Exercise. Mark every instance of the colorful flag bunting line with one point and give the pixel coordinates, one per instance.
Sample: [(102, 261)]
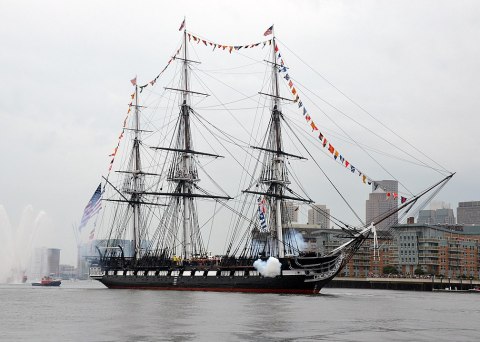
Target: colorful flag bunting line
[(134, 82), (152, 82), (120, 137), (325, 143), (224, 47)]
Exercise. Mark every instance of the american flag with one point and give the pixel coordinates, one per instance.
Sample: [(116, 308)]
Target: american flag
[(268, 31), (93, 207), (262, 209)]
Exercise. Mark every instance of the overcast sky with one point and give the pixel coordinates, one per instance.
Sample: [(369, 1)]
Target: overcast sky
[(65, 68)]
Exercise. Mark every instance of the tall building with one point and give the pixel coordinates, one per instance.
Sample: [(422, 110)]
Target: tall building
[(45, 262), (380, 201), (468, 212), (319, 215), (291, 211), (438, 216)]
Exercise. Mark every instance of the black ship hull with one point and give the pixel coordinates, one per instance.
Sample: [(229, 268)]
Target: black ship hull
[(257, 284), (302, 279)]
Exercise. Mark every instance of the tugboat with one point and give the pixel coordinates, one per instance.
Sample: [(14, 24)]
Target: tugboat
[(48, 281)]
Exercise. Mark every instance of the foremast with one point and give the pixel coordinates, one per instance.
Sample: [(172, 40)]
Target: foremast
[(134, 184)]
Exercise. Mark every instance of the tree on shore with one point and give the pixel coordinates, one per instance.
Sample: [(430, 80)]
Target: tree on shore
[(389, 270), (419, 271)]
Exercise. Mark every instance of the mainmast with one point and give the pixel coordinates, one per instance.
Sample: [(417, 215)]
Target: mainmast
[(183, 173)]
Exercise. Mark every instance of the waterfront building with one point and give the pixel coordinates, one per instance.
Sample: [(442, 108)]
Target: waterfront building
[(319, 214), (291, 211), (443, 216), (307, 240), (433, 249), (439, 250), (45, 262), (367, 260), (380, 201), (67, 272), (468, 212)]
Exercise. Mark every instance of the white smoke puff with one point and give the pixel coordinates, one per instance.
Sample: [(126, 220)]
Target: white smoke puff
[(300, 242), (270, 268)]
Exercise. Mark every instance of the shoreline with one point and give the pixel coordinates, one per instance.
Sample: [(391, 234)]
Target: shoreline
[(408, 284)]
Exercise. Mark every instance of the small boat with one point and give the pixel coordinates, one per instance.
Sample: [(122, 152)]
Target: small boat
[(48, 281)]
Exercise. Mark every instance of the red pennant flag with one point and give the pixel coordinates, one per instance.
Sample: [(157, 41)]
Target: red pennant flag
[(331, 149), (346, 163), (290, 84), (307, 117), (182, 25), (134, 81), (114, 152)]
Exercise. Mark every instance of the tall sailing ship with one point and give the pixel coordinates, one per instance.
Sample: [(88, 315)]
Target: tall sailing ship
[(151, 217)]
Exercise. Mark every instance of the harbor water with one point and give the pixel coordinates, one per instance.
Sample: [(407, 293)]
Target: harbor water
[(86, 311)]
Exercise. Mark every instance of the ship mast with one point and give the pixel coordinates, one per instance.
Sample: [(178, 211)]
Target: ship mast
[(137, 180), (280, 177), (274, 172), (187, 183), (183, 173)]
